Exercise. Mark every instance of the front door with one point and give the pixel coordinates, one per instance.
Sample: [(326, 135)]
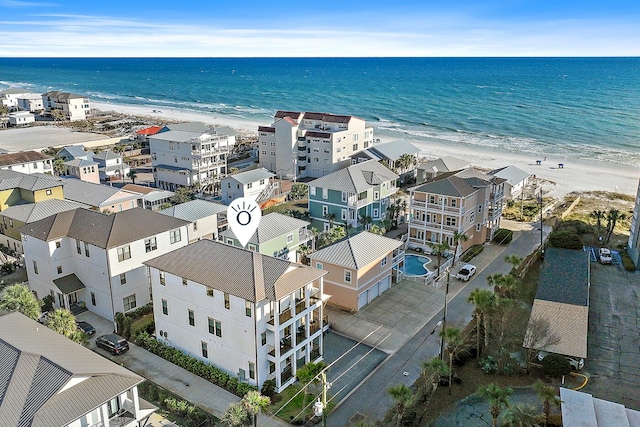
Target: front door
[(61, 301), (73, 298)]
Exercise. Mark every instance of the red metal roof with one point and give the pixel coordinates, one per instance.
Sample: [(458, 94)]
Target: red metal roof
[(152, 130)]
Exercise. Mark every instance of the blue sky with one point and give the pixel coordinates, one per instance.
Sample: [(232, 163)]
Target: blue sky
[(247, 28)]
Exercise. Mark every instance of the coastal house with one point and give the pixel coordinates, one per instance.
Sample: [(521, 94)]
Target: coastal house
[(19, 215), (562, 300), (359, 268), (20, 188), (111, 165), (27, 162), (72, 152), (309, 144), (84, 258), (185, 159), (71, 106), (9, 97), (468, 202), (49, 380), (433, 168), (31, 102), (352, 194), (254, 184), (277, 235), (152, 198), (633, 246), (21, 118), (143, 135), (196, 127), (516, 180), (206, 219), (100, 197), (399, 156), (84, 170), (252, 315)]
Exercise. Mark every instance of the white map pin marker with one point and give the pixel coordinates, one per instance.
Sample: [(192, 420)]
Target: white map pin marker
[(243, 216)]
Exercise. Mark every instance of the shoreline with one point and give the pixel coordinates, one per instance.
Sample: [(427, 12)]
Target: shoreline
[(577, 175)]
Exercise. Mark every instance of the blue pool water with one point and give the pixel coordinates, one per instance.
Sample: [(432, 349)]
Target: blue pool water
[(414, 265)]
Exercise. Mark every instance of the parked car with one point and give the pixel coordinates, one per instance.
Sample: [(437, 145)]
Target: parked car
[(466, 272), (43, 317), (576, 363), (113, 343), (85, 327), (605, 256)]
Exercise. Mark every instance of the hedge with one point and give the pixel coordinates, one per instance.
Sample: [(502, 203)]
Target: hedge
[(209, 372), (472, 252), (503, 236), (565, 239)]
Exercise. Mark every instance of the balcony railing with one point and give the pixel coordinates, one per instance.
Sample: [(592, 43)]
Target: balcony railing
[(315, 354), (286, 375), (283, 317), (301, 306), (122, 418), (433, 225), (437, 207)]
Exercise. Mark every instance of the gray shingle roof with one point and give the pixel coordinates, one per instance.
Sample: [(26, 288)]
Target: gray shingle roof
[(447, 186), (394, 150), (106, 155), (31, 212), (271, 226), (356, 178), (32, 182), (245, 274), (357, 251), (251, 176), (102, 230), (512, 174), (93, 194), (69, 283), (194, 210), (39, 363), (565, 277)]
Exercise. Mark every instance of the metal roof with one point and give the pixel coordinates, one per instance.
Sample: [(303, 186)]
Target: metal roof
[(453, 186), (31, 212), (239, 272), (271, 226), (80, 162), (22, 157), (177, 136), (512, 174), (94, 194), (172, 168), (394, 150), (198, 127), (74, 151), (251, 176), (194, 210), (357, 251), (565, 277), (39, 364), (356, 178), (102, 230), (106, 155), (69, 283), (444, 164), (31, 182)]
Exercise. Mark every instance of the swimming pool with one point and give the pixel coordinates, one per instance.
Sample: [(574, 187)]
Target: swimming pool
[(414, 265)]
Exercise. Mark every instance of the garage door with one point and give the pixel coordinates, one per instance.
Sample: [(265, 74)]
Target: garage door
[(362, 300), (374, 291), (384, 284)]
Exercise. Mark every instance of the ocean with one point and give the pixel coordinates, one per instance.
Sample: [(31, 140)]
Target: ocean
[(573, 108)]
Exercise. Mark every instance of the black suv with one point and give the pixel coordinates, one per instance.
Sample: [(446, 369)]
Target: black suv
[(113, 343), (85, 327)]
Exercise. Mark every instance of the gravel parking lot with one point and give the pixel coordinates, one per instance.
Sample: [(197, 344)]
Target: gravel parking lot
[(613, 352), (37, 137)]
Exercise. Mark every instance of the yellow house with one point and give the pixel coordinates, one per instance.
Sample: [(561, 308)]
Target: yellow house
[(17, 188)]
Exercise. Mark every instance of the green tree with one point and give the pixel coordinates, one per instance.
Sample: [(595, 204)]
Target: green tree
[(521, 415), (20, 298), (377, 229), (58, 166), (599, 216), (432, 370), (182, 195), (331, 217), (549, 396), (515, 261), (504, 285), (298, 191), (458, 237), (498, 398), (309, 374), (63, 322), (612, 218), (403, 397), (132, 174), (57, 115), (366, 221), (236, 415), (455, 341), (483, 300), (439, 249), (255, 403)]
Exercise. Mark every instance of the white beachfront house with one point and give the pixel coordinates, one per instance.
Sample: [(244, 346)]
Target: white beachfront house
[(9, 97), (27, 162), (254, 184), (31, 102), (111, 165), (184, 159), (84, 258), (73, 107), (205, 218), (252, 315), (300, 144), (21, 118)]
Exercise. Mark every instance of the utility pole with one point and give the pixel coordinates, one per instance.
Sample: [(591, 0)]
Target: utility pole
[(444, 314), (541, 239), (320, 407)]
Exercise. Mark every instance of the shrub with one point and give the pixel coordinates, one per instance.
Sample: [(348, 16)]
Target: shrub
[(472, 252), (141, 311), (47, 303), (489, 365), (7, 268), (147, 326), (565, 239), (555, 365), (298, 191), (503, 236), (269, 389)]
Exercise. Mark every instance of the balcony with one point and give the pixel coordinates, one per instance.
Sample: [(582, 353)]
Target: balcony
[(122, 418), (397, 257), (283, 317), (437, 207), (301, 306), (435, 226), (302, 147), (286, 375), (302, 157)]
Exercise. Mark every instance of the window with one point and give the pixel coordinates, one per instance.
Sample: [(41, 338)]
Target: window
[(218, 326), (478, 226), (252, 370), (355, 147), (273, 153), (210, 292), (316, 159), (163, 278), (432, 199), (205, 352), (195, 226), (343, 214), (479, 208), (129, 302), (383, 262), (10, 223), (376, 213), (123, 278), (150, 244), (86, 249), (344, 197), (58, 244), (93, 298), (230, 242), (78, 249), (251, 247), (174, 236), (165, 308), (326, 160), (184, 282), (247, 308), (376, 195), (325, 210), (347, 276), (264, 152), (319, 265), (59, 269), (192, 318), (35, 267), (48, 192), (312, 191), (124, 253), (450, 221), (227, 304), (263, 338), (289, 238), (249, 185), (211, 323), (325, 193)]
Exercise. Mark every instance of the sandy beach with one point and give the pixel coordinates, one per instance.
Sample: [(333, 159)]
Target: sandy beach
[(574, 176)]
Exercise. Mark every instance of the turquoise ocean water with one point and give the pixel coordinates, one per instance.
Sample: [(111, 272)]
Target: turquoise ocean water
[(582, 108)]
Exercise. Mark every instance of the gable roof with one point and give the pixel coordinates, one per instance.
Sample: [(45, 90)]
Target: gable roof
[(102, 230), (512, 174), (63, 95), (251, 176), (444, 164), (31, 212), (357, 251), (80, 162), (93, 194), (393, 150), (75, 151), (356, 178), (326, 117), (31, 182), (293, 114), (447, 185), (239, 272), (271, 226), (38, 363), (177, 136), (14, 91), (22, 157), (151, 130), (197, 127), (106, 155), (567, 321), (194, 210), (565, 277)]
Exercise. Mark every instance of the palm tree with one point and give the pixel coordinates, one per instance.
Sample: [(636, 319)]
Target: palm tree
[(483, 300), (132, 174), (521, 415), (612, 218), (366, 221), (549, 395), (498, 397), (330, 217), (58, 166), (458, 238), (376, 229), (236, 415), (62, 321), (403, 397), (599, 216), (503, 285), (454, 339), (19, 298), (313, 231), (432, 371), (309, 373), (439, 249), (255, 403), (515, 261)]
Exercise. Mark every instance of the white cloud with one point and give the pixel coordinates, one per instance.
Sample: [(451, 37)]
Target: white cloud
[(18, 3)]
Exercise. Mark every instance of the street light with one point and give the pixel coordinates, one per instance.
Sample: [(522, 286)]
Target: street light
[(444, 314)]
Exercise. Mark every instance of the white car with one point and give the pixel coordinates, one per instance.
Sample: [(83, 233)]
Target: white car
[(605, 256), (576, 363), (466, 272)]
